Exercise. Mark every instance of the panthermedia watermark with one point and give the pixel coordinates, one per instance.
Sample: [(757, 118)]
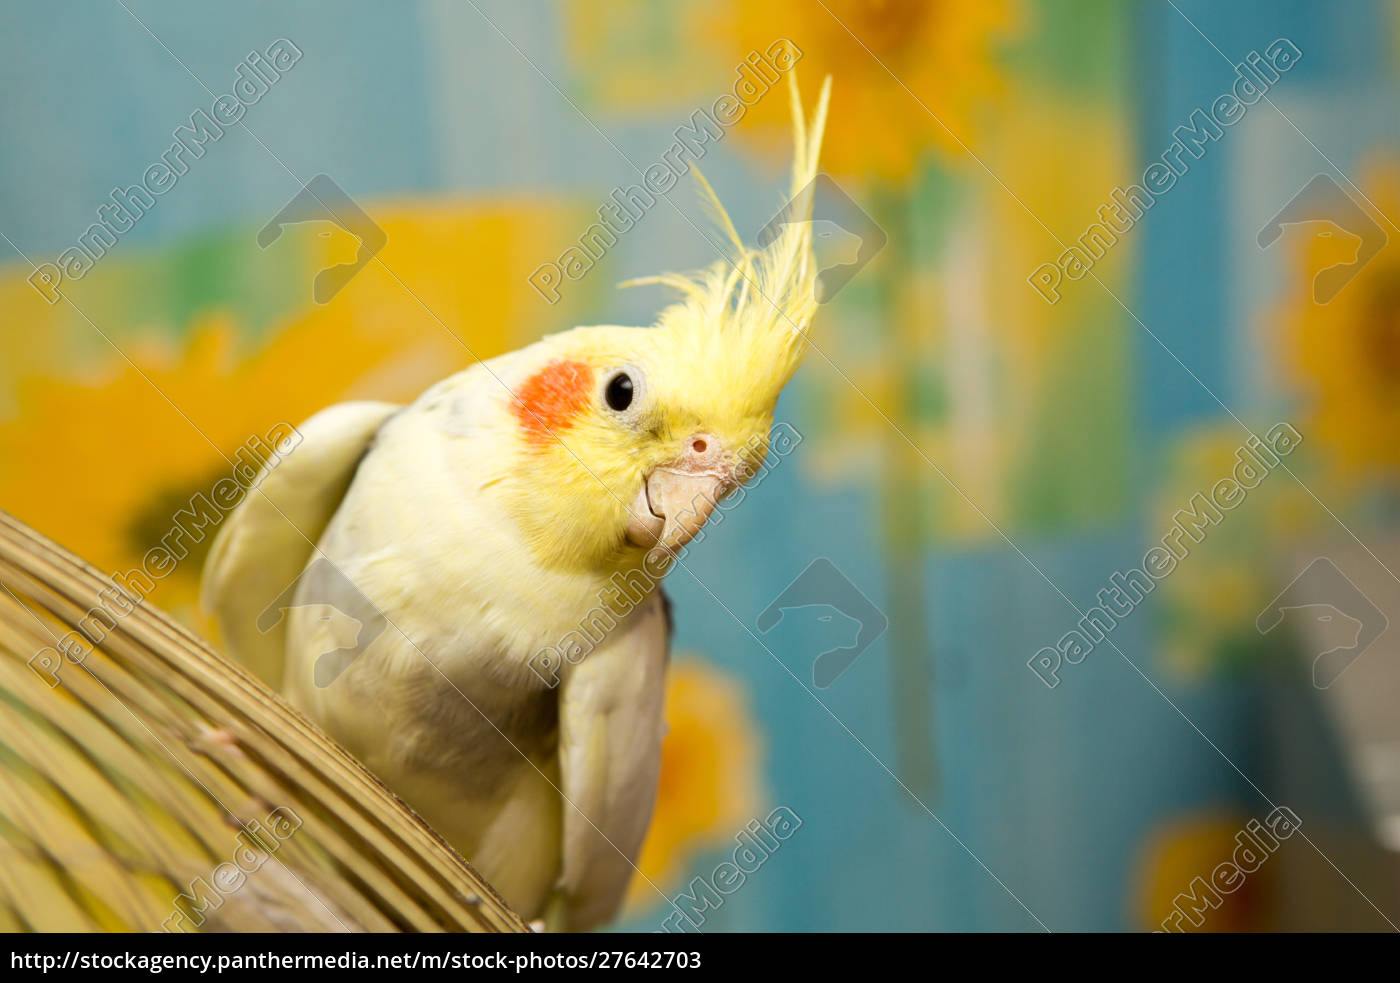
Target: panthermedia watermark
[(1253, 78), (836, 221), (822, 587), (353, 622), (625, 207), (190, 526), (322, 200), (253, 78), (1254, 844), (756, 844), (1329, 615), (256, 844), (1254, 461), (1323, 206)]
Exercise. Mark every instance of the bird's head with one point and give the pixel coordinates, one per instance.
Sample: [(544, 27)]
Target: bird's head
[(635, 434)]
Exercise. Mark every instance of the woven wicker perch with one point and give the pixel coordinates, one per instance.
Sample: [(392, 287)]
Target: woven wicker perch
[(155, 785)]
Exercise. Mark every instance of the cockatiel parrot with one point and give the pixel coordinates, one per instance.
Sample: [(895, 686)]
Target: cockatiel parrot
[(476, 528)]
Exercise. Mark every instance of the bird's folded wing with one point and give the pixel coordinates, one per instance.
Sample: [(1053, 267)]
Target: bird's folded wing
[(265, 543), (610, 728)]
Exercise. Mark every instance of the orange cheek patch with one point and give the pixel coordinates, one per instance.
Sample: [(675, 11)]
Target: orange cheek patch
[(552, 398)]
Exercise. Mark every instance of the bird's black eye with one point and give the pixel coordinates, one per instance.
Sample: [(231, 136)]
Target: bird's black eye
[(619, 392)]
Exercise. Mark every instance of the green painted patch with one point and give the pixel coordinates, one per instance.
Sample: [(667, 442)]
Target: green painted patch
[(1078, 456)]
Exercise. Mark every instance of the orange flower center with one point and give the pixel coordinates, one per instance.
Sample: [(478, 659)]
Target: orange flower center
[(889, 28)]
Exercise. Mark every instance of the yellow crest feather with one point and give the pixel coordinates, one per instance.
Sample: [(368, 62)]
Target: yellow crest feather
[(757, 303)]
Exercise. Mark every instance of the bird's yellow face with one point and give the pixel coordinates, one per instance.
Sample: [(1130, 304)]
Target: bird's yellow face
[(627, 438), (636, 435)]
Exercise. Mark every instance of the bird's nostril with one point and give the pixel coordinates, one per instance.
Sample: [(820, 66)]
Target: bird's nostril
[(698, 445)]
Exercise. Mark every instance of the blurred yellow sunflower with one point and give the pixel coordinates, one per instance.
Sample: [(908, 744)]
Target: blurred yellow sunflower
[(1183, 849), (1344, 356), (710, 785), (944, 52)]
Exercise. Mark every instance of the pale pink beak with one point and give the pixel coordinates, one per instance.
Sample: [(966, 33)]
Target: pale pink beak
[(676, 498)]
